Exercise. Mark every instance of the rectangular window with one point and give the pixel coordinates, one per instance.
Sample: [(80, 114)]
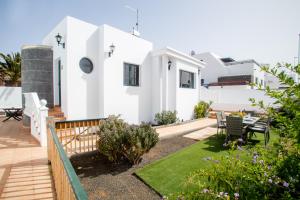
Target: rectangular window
[(131, 74), (186, 79), (202, 82), (262, 82), (256, 80)]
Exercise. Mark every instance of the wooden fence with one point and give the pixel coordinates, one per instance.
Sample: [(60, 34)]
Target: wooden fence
[(78, 136), (67, 184)]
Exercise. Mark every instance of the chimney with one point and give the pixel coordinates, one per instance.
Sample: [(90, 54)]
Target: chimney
[(192, 53)]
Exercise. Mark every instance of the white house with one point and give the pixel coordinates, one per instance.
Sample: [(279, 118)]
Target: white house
[(100, 71), (228, 73)]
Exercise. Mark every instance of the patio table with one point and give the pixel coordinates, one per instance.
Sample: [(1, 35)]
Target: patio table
[(15, 113), (250, 120), (247, 120)]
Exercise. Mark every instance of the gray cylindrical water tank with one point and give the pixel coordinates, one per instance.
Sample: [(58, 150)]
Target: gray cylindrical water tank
[(37, 73)]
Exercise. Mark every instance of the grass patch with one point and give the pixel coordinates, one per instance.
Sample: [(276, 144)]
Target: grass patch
[(168, 175)]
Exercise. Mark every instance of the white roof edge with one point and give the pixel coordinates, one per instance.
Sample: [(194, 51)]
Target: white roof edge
[(242, 61), (209, 52), (177, 54), (40, 46)]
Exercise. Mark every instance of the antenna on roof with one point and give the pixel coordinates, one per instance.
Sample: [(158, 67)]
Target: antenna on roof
[(135, 31)]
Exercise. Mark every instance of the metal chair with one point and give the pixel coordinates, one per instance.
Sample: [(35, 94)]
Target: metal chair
[(235, 128), (220, 123), (261, 127)]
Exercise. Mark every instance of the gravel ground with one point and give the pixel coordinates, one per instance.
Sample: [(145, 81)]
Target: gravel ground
[(106, 181)]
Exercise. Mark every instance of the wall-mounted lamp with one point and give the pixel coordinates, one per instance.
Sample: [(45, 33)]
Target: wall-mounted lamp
[(111, 50), (169, 64), (58, 40)]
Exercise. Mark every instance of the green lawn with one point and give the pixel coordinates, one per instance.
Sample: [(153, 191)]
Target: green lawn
[(169, 174)]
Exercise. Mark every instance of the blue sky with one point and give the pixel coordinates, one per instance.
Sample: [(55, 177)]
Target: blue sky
[(265, 30)]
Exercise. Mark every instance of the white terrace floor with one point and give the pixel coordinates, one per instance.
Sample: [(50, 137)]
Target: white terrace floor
[(185, 128), (24, 172)]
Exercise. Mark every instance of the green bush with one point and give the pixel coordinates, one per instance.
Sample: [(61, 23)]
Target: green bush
[(201, 109), (138, 140), (166, 117), (118, 140)]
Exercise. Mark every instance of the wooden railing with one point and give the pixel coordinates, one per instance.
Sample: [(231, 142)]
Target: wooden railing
[(67, 184), (78, 136)]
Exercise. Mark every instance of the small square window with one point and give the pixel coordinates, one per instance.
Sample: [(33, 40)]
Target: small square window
[(186, 79), (131, 74)]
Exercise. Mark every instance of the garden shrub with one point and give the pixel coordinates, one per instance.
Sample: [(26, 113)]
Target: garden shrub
[(238, 114), (118, 140), (110, 138), (235, 178), (201, 109), (166, 117), (138, 140)]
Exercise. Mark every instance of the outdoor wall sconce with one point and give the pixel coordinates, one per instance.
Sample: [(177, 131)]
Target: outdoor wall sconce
[(111, 50), (169, 64), (58, 40)]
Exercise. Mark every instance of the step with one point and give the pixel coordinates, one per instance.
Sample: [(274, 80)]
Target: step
[(57, 108), (60, 118)]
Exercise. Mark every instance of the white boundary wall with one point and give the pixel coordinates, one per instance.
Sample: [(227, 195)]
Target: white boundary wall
[(10, 97), (38, 112), (233, 100)]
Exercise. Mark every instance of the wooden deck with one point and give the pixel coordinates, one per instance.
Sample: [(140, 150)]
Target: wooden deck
[(24, 171)]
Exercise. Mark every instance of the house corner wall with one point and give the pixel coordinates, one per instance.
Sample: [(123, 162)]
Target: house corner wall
[(133, 104)]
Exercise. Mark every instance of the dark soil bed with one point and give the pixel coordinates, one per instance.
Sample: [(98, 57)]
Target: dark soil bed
[(104, 180)]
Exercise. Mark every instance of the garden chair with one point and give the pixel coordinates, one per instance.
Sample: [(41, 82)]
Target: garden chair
[(220, 123), (261, 127), (235, 128)]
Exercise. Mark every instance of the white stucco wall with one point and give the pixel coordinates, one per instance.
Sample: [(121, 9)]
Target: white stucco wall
[(82, 89), (79, 99), (10, 97), (132, 103), (214, 67), (233, 100), (59, 53), (186, 98), (156, 97), (239, 69)]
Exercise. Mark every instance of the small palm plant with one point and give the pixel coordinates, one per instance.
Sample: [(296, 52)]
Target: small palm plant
[(10, 68)]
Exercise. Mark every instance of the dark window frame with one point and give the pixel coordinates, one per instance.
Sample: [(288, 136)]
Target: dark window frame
[(181, 85), (132, 76)]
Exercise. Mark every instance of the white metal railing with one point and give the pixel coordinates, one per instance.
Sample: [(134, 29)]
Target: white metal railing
[(38, 112)]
